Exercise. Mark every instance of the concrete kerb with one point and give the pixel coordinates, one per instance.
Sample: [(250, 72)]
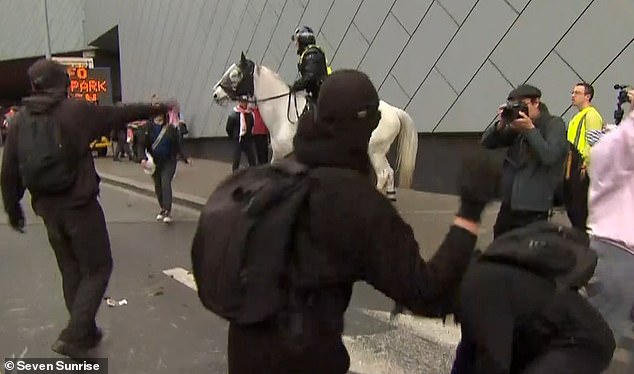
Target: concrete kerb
[(189, 201)]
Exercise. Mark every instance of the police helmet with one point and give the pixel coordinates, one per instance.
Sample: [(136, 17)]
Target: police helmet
[(304, 35)]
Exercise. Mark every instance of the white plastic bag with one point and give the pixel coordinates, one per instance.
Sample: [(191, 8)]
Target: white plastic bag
[(149, 166)]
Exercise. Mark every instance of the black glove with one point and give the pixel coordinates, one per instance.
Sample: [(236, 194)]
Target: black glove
[(478, 183), (16, 219)]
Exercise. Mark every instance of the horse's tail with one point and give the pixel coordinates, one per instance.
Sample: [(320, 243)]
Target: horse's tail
[(407, 149)]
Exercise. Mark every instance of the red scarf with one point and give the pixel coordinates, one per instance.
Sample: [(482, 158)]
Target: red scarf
[(243, 120)]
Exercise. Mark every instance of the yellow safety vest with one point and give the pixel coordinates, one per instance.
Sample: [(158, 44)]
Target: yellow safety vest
[(301, 57), (577, 131)]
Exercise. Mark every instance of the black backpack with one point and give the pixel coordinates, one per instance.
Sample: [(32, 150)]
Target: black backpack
[(243, 244), (555, 252), (46, 165)]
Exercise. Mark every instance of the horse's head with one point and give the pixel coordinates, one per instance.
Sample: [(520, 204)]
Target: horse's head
[(236, 82)]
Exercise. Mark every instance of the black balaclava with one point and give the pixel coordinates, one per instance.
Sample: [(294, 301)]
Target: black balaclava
[(338, 131)]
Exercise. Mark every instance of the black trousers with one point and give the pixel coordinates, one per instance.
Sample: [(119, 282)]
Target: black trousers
[(509, 219), (162, 177), (79, 238), (262, 349), (576, 201), (243, 146), (261, 148)]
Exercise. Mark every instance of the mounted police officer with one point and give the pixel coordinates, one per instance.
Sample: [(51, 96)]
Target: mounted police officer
[(313, 66)]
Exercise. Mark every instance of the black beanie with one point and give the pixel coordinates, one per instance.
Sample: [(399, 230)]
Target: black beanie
[(46, 75), (347, 95)]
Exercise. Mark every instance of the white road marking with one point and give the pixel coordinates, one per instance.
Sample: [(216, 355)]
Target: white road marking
[(427, 328), (183, 276)]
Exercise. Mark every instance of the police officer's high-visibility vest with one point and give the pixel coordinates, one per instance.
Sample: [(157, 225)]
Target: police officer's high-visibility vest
[(577, 129), (301, 57)]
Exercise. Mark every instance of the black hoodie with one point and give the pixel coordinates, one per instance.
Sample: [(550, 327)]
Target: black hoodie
[(80, 123)]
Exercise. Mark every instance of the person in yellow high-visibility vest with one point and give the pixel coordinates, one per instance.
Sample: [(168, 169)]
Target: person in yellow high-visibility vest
[(580, 130), (313, 65)]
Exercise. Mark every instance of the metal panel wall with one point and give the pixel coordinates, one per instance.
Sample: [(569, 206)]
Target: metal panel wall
[(448, 62), (22, 27)]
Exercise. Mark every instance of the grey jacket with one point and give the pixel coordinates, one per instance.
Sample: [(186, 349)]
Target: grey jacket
[(537, 159)]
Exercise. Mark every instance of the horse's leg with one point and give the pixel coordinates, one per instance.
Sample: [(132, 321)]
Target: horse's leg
[(390, 188), (382, 176)]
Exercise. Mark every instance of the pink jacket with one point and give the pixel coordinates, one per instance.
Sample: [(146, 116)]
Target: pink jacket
[(611, 194)]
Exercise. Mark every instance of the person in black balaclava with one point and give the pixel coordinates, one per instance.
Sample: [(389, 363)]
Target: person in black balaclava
[(347, 232), (72, 215)]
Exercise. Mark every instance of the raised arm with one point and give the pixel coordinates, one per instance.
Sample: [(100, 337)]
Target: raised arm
[(107, 118), (393, 263), (550, 147), (497, 136)]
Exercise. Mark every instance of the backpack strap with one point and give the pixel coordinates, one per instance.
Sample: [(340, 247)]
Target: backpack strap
[(581, 125), (160, 136)]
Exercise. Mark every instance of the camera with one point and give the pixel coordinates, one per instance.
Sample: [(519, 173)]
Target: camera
[(621, 99), (511, 111), (622, 94)]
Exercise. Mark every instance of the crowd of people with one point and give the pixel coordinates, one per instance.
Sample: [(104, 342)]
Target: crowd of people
[(542, 298)]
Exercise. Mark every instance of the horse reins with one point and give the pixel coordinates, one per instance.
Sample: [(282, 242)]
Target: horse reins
[(288, 106)]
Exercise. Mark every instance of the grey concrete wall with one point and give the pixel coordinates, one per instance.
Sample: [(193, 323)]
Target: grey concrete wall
[(22, 27), (449, 63)]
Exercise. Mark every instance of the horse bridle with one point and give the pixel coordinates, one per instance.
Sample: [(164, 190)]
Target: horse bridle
[(234, 95)]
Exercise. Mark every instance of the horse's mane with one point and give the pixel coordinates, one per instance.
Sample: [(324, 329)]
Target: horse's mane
[(272, 72)]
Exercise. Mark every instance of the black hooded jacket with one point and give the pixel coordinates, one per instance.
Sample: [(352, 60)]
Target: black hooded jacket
[(523, 314), (80, 123)]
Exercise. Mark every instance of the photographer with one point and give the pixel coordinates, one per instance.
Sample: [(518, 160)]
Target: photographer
[(611, 212), (533, 166)]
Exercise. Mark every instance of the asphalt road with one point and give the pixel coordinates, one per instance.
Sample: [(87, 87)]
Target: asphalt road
[(163, 327)]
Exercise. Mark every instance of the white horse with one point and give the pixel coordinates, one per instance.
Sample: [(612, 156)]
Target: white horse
[(279, 110)]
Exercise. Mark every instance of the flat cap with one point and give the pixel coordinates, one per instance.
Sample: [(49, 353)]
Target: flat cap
[(524, 91)]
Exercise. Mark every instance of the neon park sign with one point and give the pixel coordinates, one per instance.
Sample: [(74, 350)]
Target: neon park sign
[(90, 84)]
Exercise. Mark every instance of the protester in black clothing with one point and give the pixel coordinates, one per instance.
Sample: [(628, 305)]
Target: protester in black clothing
[(534, 161), (73, 218), (240, 128), (347, 232), (520, 308)]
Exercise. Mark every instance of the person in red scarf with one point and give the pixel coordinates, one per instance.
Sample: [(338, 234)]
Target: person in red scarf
[(240, 128)]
